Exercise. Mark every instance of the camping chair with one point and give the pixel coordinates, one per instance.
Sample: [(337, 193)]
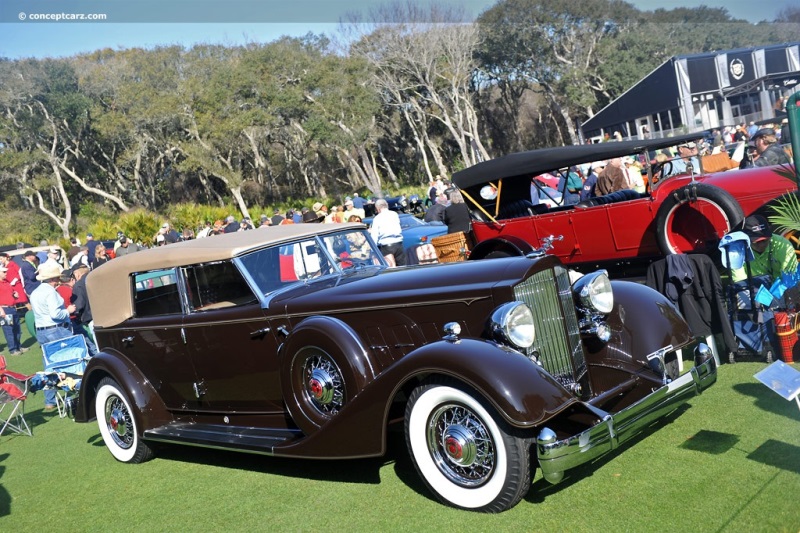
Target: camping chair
[(64, 363), (750, 311), (13, 392)]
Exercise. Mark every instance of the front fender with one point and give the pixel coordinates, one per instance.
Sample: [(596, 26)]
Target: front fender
[(642, 322), (150, 410), (521, 391)]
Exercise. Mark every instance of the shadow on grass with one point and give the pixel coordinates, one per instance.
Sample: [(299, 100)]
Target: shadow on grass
[(767, 400), (5, 497), (366, 471), (778, 454), (713, 442), (541, 488)]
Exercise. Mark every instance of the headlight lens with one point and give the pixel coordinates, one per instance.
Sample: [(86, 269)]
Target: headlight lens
[(513, 323), (593, 291)]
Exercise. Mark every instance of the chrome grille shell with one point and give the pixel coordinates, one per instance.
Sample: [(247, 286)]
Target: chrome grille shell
[(558, 344)]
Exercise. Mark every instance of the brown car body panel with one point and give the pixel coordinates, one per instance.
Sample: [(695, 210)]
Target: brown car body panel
[(236, 367)]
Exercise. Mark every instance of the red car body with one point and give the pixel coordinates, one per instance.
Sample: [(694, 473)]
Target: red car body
[(685, 213)]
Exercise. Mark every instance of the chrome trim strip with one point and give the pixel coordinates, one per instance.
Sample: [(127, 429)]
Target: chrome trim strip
[(555, 457)]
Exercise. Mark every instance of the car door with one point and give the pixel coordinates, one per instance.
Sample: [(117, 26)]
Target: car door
[(229, 339), (154, 338)]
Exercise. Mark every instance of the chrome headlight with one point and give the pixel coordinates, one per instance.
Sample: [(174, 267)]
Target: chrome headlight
[(512, 323), (593, 292)]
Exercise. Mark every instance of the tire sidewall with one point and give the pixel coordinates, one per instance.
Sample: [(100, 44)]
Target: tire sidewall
[(720, 198), (468, 498), (104, 392)]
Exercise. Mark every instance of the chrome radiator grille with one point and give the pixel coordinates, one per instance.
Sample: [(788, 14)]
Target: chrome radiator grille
[(558, 343)]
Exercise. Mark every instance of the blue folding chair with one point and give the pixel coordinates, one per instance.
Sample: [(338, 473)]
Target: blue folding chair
[(64, 364)]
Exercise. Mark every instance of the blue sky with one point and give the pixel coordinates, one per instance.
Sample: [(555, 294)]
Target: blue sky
[(148, 23)]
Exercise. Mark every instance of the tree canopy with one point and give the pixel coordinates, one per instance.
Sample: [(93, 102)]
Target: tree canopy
[(417, 95)]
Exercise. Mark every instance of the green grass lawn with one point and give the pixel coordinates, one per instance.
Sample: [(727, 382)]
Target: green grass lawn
[(730, 461)]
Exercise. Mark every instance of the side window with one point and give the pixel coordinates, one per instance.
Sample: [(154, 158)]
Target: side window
[(217, 285), (157, 293)]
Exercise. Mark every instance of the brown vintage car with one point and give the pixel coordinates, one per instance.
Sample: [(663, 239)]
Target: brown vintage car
[(298, 341)]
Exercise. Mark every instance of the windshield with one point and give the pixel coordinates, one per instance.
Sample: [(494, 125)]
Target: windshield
[(274, 268)]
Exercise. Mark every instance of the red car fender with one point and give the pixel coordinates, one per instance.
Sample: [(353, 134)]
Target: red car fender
[(150, 410)]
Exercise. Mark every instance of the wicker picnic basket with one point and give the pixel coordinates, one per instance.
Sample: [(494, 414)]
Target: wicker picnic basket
[(452, 247)]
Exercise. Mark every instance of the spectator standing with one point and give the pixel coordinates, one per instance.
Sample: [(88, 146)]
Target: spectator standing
[(28, 272), (92, 244), (768, 151), (100, 256), (170, 235), (277, 218), (358, 202), (206, 231), (435, 213), (127, 247), (231, 225), (51, 316), (456, 215), (786, 134), (84, 324), (387, 233), (8, 314), (14, 277), (64, 289), (82, 257)]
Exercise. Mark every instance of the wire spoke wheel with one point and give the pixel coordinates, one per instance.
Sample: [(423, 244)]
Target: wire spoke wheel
[(461, 445), (463, 450)]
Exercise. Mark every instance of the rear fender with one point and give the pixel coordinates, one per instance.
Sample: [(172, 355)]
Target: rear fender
[(150, 410), (521, 391)]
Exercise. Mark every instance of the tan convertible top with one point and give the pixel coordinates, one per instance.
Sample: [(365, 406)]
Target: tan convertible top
[(109, 285)]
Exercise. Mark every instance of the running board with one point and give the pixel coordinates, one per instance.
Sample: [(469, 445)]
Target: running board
[(248, 439)]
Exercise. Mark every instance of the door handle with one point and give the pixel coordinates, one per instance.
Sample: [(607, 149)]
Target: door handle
[(260, 332)]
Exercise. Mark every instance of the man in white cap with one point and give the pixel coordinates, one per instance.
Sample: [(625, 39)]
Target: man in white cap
[(49, 314)]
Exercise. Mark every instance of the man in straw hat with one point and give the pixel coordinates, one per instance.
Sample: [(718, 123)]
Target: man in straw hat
[(50, 315)]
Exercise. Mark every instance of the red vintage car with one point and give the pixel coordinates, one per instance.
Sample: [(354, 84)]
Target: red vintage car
[(625, 230)]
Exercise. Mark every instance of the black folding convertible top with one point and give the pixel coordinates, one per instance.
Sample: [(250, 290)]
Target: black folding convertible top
[(536, 162)]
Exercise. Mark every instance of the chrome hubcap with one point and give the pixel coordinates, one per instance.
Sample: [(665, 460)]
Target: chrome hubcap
[(461, 446), (119, 422), (324, 384)]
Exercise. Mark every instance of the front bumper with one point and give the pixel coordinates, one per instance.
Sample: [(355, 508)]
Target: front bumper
[(557, 456)]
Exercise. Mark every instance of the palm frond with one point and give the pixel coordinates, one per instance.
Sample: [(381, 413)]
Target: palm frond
[(786, 213)]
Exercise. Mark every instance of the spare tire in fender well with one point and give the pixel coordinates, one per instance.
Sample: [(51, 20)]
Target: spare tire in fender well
[(343, 366)]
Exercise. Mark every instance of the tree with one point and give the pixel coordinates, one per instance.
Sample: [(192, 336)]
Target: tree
[(423, 68)]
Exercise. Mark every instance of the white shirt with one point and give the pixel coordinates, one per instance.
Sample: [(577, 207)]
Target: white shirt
[(386, 228)]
